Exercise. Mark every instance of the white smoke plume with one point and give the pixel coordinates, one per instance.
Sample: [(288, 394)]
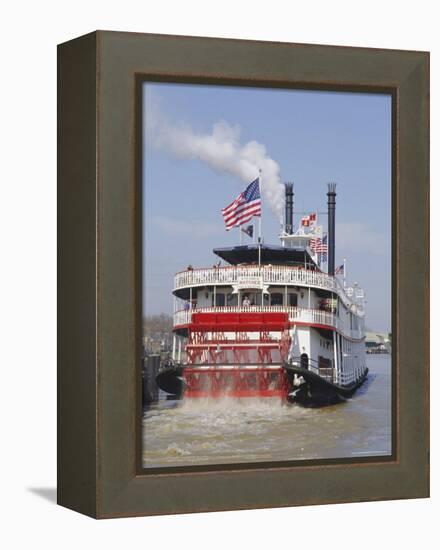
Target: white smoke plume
[(220, 149)]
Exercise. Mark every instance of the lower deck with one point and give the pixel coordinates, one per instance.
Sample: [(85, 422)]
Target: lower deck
[(245, 355)]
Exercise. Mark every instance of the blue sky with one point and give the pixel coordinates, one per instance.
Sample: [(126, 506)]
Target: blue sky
[(315, 137)]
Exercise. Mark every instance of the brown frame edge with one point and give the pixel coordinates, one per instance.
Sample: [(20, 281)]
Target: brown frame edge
[(98, 455), (225, 81)]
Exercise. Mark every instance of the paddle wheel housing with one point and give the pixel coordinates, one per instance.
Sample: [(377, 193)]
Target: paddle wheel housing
[(237, 355)]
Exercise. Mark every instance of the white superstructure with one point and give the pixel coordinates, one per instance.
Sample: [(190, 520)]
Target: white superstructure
[(325, 317)]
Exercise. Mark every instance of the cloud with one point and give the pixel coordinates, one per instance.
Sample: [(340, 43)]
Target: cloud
[(220, 148)]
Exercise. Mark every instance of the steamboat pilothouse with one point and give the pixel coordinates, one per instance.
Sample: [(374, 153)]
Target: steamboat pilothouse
[(267, 320)]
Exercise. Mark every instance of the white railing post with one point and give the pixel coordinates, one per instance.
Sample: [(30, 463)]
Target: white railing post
[(295, 313)]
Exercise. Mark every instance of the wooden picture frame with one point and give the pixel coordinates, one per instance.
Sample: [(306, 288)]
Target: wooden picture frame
[(99, 412)]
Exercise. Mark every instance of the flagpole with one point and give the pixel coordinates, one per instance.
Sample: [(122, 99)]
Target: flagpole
[(261, 211), (259, 219), (344, 271), (259, 240)]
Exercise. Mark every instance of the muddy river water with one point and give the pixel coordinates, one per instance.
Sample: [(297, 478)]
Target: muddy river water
[(200, 432)]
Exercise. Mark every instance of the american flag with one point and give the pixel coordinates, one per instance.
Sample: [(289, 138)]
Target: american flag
[(322, 246), (318, 245), (314, 243), (245, 206), (340, 270)]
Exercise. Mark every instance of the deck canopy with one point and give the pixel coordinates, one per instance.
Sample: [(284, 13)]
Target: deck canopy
[(270, 254)]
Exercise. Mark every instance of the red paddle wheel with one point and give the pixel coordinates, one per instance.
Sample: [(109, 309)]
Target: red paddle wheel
[(237, 355)]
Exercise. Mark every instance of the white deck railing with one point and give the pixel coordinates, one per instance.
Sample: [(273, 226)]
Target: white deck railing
[(271, 275), (266, 275), (296, 314), (338, 377)]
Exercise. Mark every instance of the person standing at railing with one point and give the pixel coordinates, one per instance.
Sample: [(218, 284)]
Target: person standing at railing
[(246, 302)]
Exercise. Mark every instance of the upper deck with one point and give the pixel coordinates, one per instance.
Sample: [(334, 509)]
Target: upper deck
[(252, 276), (265, 254)]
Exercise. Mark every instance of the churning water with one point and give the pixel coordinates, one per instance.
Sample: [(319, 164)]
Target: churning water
[(200, 432)]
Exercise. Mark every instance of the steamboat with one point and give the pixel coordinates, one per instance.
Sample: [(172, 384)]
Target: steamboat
[(268, 321)]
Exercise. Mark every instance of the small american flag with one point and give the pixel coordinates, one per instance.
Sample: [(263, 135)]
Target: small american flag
[(340, 270), (314, 243), (318, 245), (245, 206), (321, 248)]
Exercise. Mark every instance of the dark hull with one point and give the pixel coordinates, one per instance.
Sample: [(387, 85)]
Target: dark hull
[(316, 391), (170, 380)]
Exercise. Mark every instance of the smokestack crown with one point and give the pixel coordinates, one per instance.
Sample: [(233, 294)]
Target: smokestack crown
[(331, 188)]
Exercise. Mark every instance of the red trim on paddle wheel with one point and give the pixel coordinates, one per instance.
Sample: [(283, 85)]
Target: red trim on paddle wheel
[(237, 340)]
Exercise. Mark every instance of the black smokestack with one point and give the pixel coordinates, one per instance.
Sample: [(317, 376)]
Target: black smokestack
[(288, 222), (331, 203)]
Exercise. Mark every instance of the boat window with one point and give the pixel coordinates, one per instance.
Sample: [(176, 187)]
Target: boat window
[(220, 299), (293, 300), (232, 299), (276, 299), (255, 299)]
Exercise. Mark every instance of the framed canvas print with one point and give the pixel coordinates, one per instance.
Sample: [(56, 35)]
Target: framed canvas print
[(243, 274)]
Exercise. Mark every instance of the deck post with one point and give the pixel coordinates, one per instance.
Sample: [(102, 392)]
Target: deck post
[(335, 355)]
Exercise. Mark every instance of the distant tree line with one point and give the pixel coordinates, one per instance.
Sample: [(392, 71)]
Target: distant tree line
[(157, 333), (158, 323)]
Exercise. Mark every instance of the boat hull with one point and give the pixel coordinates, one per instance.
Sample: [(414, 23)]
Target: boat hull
[(276, 383), (170, 380), (317, 391)]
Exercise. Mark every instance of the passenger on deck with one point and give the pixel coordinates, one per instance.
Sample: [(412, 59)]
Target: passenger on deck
[(246, 302)]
